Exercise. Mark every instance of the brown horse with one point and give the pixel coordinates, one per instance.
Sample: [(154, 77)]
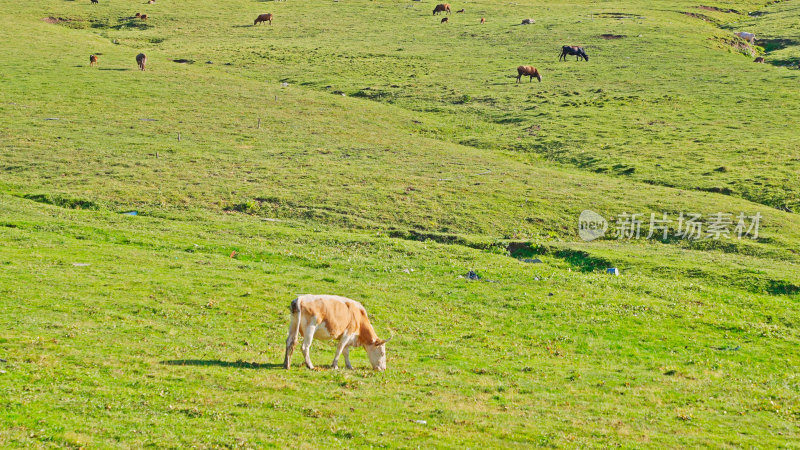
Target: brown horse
[(141, 60), (263, 18), (442, 7), (92, 60), (528, 71)]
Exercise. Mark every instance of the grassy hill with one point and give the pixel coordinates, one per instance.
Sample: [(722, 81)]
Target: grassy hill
[(364, 149)]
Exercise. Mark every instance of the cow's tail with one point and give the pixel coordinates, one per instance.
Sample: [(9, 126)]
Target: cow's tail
[(295, 309)]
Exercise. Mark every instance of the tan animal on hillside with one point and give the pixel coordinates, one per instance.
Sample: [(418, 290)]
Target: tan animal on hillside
[(92, 60), (445, 20), (328, 317), (263, 18), (141, 60), (483, 20), (528, 71), (441, 7)]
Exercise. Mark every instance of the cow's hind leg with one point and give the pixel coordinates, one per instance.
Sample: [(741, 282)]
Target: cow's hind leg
[(347, 358), (291, 343), (307, 340)]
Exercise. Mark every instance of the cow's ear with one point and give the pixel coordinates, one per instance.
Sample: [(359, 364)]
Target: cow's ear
[(380, 342)]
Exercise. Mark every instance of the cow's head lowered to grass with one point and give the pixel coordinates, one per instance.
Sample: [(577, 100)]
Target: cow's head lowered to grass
[(377, 354)]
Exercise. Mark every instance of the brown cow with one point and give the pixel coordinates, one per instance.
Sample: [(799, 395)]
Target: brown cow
[(138, 15), (141, 60), (143, 17), (441, 7), (483, 20), (263, 18), (760, 59), (445, 20), (92, 60), (528, 71), (327, 317)]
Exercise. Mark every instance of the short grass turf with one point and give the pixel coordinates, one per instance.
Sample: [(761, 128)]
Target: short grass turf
[(363, 148)]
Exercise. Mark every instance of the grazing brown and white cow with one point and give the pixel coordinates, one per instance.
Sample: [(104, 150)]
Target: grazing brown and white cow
[(333, 317), (441, 7), (92, 60), (263, 18), (141, 60), (528, 71)]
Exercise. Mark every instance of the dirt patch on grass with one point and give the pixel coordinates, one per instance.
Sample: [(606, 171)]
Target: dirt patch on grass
[(183, 61), (722, 10), (611, 36), (617, 15), (55, 20), (702, 17)]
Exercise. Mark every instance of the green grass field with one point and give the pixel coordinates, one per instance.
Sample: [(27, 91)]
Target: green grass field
[(362, 148)]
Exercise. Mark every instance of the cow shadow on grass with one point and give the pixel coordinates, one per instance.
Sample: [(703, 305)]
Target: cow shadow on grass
[(115, 70), (220, 363)]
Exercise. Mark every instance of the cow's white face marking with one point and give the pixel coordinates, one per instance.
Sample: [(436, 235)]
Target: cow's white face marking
[(377, 356)]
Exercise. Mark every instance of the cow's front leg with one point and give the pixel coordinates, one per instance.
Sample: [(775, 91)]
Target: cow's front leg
[(347, 358), (339, 349), (307, 340)]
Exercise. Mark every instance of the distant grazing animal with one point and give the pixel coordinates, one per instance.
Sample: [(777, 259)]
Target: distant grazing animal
[(528, 71), (138, 15), (760, 59), (460, 11), (143, 17), (150, 2), (95, 2), (746, 36), (528, 21), (483, 19), (441, 7), (332, 317), (92, 60), (263, 18), (141, 60), (445, 20), (571, 50)]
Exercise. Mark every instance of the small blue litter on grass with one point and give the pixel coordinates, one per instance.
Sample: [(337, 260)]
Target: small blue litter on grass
[(131, 213), (612, 271)]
